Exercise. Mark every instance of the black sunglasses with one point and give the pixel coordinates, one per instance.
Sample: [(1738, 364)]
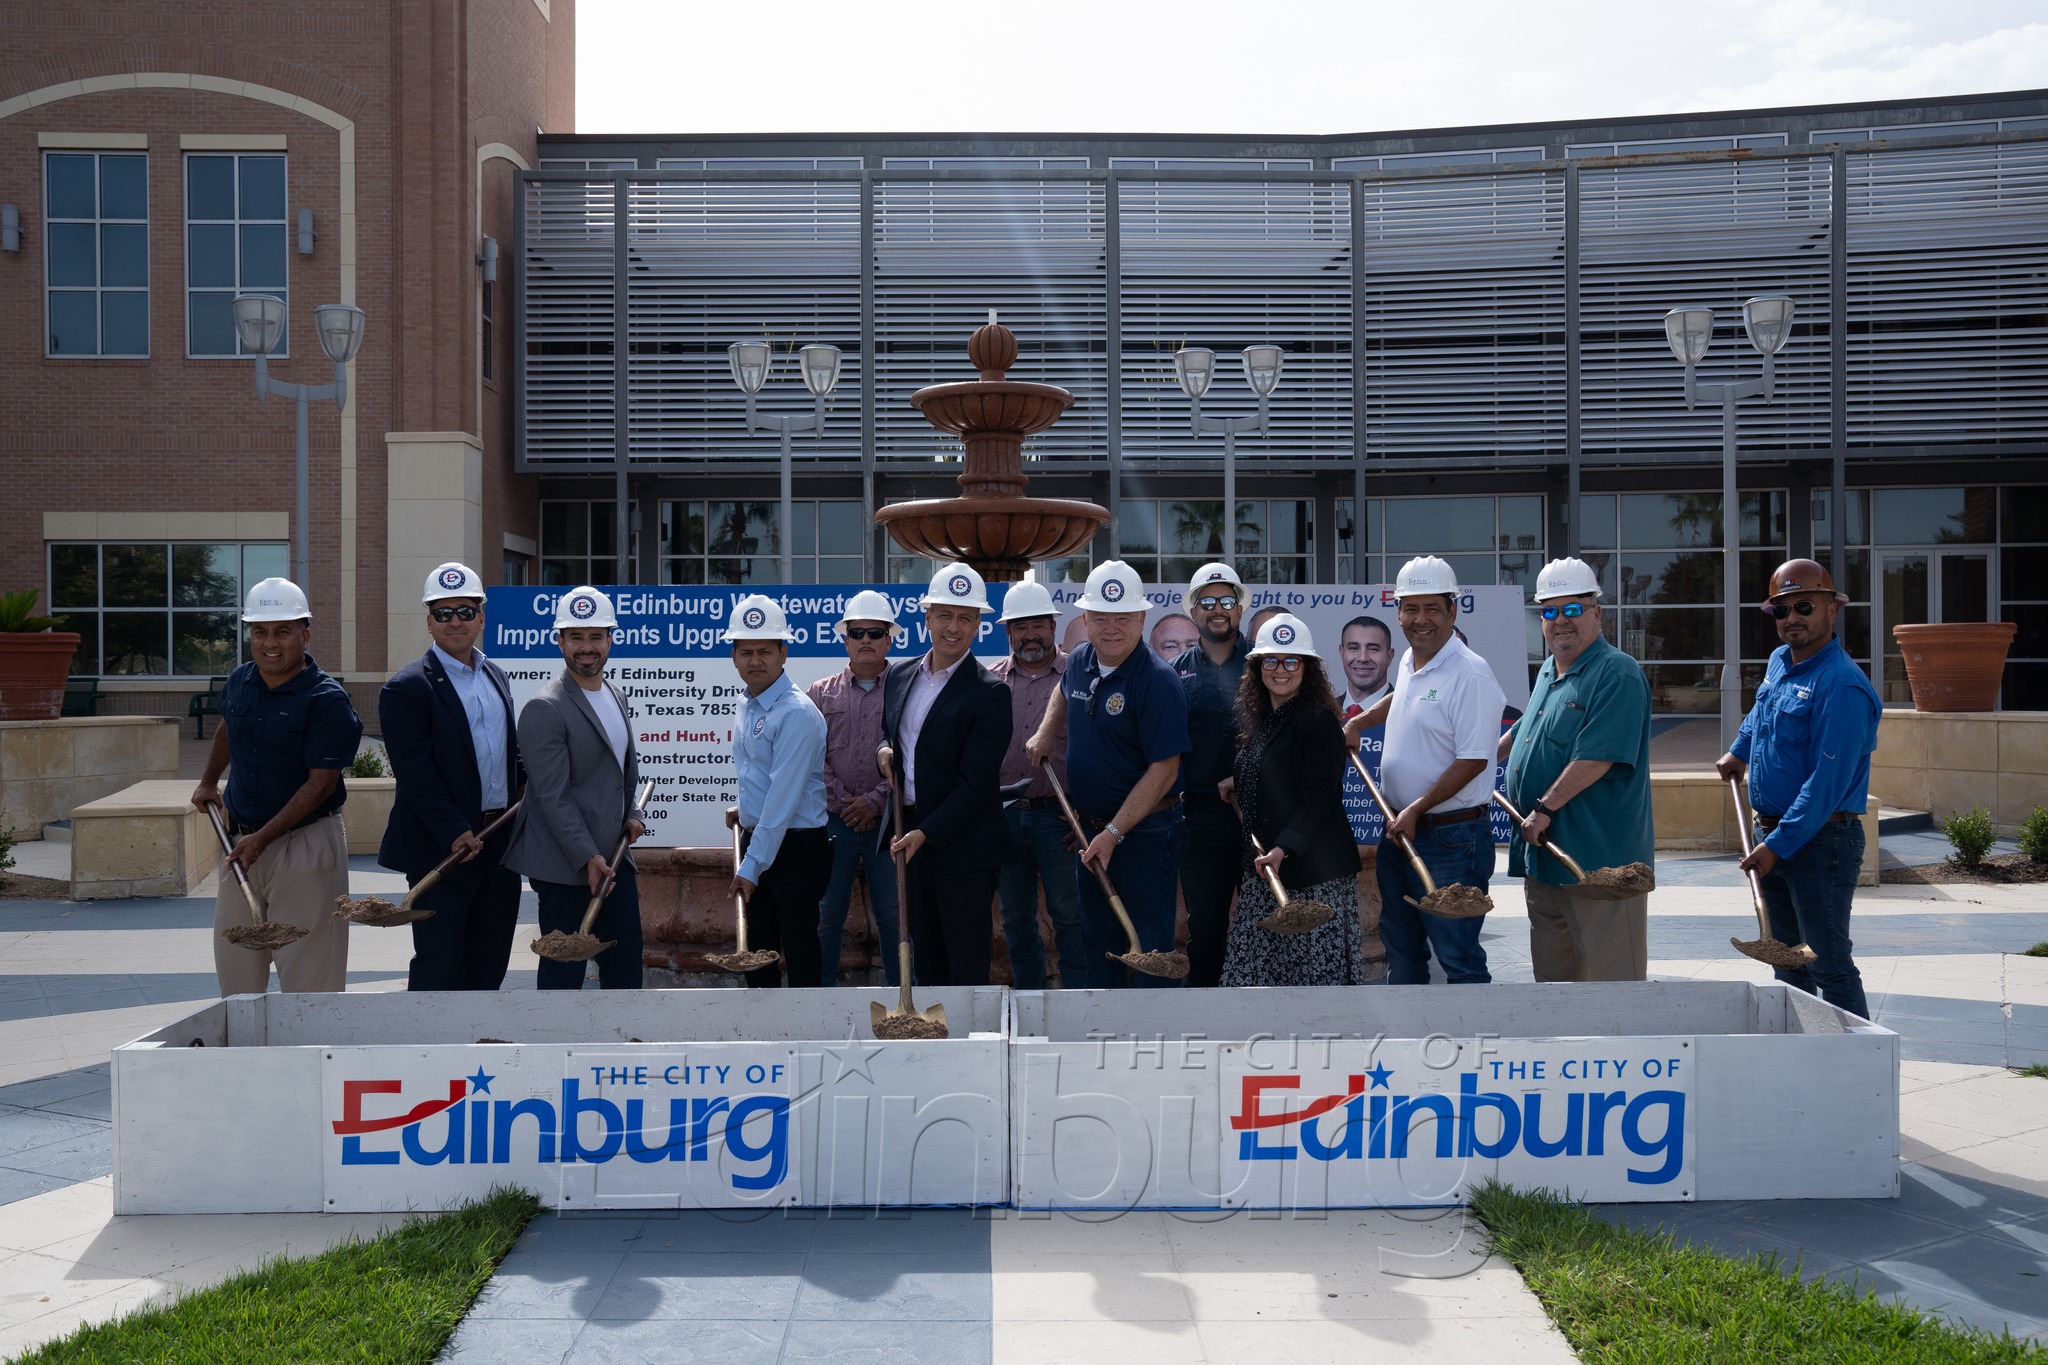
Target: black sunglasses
[(1215, 603), (1568, 611), (465, 612), (1780, 610), (867, 632)]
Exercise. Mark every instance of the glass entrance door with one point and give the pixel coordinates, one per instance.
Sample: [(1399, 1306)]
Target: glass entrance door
[(1927, 585)]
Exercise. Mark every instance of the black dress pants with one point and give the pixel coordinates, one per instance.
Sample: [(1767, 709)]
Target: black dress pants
[(1210, 860), (782, 914), (466, 944), (952, 922)]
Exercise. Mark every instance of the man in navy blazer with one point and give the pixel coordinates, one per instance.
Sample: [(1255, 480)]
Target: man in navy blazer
[(947, 719), (448, 727)]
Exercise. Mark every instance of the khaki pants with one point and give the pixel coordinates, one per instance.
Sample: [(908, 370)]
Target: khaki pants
[(1576, 938), (298, 879)]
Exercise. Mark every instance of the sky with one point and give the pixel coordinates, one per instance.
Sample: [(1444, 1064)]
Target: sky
[(1256, 66)]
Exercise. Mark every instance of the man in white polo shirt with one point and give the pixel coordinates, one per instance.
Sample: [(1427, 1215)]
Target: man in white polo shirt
[(1443, 730)]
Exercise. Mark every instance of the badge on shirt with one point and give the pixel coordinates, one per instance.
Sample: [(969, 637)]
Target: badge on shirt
[(760, 724), (1115, 704), (1429, 695)]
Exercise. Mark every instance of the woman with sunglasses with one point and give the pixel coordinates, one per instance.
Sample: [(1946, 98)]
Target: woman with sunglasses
[(1290, 795)]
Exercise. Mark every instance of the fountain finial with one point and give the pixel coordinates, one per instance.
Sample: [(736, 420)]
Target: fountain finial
[(993, 348)]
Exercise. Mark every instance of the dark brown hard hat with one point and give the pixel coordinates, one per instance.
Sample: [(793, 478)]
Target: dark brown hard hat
[(1801, 575)]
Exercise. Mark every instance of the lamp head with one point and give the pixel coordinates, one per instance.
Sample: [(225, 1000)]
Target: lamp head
[(1689, 330), (1262, 368), (1194, 367), (259, 322), (820, 366), (1768, 320), (340, 326), (749, 360)]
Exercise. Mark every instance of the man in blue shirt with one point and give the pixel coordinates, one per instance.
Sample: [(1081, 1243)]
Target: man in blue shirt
[(779, 749), (1210, 674), (1806, 746), (448, 726), (287, 730), (1126, 720)]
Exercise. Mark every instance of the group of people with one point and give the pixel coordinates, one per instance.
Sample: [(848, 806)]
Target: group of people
[(1205, 778)]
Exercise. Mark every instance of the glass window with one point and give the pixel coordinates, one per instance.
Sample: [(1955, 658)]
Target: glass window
[(1935, 516), (235, 243), (741, 542), (96, 254), (578, 539), (1166, 540), (487, 337), (155, 609)]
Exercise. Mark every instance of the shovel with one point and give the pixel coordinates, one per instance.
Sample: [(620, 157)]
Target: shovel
[(1765, 949), (583, 945), (379, 913), (740, 959), (1173, 966), (903, 1022), (265, 934), (1450, 902), (1292, 916), (1602, 883)]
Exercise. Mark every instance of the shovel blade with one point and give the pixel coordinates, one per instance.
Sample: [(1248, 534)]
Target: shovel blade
[(877, 1012)]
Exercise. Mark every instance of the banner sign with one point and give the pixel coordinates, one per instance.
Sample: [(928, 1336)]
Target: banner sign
[(684, 697), (1390, 1122)]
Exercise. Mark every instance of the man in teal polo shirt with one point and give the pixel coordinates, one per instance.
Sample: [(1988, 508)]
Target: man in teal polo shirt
[(1579, 768)]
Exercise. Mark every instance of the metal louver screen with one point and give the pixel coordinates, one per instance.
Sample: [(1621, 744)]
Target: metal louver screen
[(567, 384)]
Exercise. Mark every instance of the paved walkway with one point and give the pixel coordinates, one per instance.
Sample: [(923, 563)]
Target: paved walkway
[(1968, 1237)]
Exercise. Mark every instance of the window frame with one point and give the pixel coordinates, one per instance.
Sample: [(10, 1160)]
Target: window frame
[(236, 225), (94, 628), (99, 223)]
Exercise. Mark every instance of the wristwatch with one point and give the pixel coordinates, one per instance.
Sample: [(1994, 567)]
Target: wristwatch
[(1540, 809), (1112, 829)]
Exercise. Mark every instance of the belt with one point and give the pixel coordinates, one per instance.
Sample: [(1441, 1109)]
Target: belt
[(1451, 817), (1840, 817), (237, 828), (1037, 802), (491, 815), (1168, 804)]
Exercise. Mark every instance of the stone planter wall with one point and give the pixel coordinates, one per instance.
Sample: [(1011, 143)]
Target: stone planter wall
[(47, 767), (367, 811), (146, 840), (1945, 763)]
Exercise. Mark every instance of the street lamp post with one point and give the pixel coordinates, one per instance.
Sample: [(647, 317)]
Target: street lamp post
[(1768, 321), (1195, 367), (819, 366), (259, 321)]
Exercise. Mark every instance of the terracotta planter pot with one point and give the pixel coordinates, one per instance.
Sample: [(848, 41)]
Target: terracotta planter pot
[(33, 668), (1955, 667)]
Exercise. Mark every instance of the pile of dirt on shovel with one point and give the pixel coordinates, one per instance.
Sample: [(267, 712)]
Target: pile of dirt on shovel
[(1457, 901), (368, 910), (904, 1027), (1173, 966), (753, 960), (269, 935), (560, 947), (1637, 879), (1297, 917)]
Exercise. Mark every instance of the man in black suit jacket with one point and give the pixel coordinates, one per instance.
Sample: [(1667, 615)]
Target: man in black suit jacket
[(448, 726), (948, 720)]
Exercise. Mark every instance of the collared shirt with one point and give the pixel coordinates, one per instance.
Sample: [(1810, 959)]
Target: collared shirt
[(1448, 709), (1120, 721), (488, 727), (1211, 690), (1365, 703), (853, 731), (1598, 712), (780, 753), (1808, 741), (1029, 694), (278, 735), (925, 686)]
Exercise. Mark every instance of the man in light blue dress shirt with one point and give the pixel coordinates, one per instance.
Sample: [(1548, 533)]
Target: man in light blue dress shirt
[(779, 749)]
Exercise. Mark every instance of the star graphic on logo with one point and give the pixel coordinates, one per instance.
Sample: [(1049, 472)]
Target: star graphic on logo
[(851, 1057), (480, 1084), (1379, 1073)]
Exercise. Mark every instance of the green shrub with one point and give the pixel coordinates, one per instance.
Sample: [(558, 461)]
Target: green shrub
[(2034, 835), (368, 763), (17, 613), (1972, 836)]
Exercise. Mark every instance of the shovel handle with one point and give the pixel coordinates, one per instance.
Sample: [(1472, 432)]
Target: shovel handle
[(1756, 888), (227, 849), (1272, 877), (618, 851), (1407, 844), (1116, 902), (1549, 844), (739, 902), (885, 759), (491, 827)]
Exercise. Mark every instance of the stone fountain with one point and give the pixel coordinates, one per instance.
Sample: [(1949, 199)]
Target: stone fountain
[(991, 525)]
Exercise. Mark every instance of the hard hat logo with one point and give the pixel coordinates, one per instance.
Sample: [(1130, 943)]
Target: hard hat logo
[(752, 618), (582, 608), (1283, 635), (451, 578), (959, 586), (1113, 591)]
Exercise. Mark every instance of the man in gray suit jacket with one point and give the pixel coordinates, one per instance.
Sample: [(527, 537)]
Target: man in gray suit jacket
[(577, 742)]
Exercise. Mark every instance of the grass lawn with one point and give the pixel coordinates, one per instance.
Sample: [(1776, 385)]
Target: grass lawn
[(1622, 1295), (2038, 1070), (395, 1298), (2038, 950)]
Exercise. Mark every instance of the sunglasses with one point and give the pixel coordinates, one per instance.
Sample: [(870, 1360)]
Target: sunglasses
[(464, 612), (1780, 610), (867, 632), (1215, 603), (1570, 611), (1273, 663)]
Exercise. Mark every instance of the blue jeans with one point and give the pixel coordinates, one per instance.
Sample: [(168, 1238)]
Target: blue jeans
[(1145, 869), (850, 850), (1042, 857), (1453, 853), (1807, 897)]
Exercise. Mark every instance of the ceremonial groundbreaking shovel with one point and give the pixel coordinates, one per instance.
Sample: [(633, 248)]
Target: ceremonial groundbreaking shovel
[(583, 945), (265, 934), (1451, 902), (1173, 966), (379, 913), (903, 1022), (1602, 883), (1292, 916), (1765, 949), (739, 959)]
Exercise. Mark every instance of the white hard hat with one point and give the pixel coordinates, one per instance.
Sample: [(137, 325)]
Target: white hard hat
[(1115, 586), (1567, 578), (1285, 634), (868, 605), (276, 599), (955, 585), (452, 580), (755, 617), (1209, 575), (584, 607), (1425, 576), (1025, 600)]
